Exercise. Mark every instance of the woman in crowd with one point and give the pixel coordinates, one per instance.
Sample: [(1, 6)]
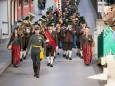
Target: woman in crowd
[(86, 42), (15, 45)]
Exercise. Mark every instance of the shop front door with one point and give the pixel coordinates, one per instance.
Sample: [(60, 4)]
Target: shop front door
[(4, 17)]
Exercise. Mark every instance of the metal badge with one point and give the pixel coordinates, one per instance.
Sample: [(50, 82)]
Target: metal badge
[(39, 40), (39, 37)]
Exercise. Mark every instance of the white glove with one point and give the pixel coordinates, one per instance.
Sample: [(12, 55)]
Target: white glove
[(47, 40), (43, 49), (70, 29), (56, 47)]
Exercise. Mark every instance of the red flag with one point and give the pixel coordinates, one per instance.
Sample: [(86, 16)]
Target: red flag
[(55, 1), (52, 42)]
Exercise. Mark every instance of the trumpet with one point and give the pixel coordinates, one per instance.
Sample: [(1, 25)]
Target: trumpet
[(24, 24)]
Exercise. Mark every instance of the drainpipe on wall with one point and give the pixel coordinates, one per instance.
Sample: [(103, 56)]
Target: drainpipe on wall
[(22, 5), (8, 13), (17, 9), (30, 3)]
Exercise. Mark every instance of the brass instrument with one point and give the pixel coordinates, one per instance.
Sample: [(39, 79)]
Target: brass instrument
[(43, 26), (24, 24)]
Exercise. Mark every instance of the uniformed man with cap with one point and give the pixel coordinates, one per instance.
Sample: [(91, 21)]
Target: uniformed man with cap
[(36, 43), (79, 33), (68, 39), (21, 54), (62, 35), (22, 32), (50, 49)]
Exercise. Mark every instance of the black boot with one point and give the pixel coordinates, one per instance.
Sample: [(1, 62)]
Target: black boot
[(34, 68), (24, 57), (70, 58), (64, 55), (67, 56), (48, 64), (79, 55), (37, 71), (15, 65), (21, 59), (57, 53), (51, 65), (87, 64)]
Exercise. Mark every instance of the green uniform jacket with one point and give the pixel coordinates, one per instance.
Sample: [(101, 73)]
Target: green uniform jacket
[(36, 40)]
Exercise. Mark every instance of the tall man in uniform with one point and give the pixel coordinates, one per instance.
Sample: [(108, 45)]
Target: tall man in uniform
[(36, 42), (69, 38), (62, 35), (79, 33), (51, 44)]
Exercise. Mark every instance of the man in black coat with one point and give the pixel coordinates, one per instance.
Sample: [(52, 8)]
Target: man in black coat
[(50, 50), (69, 39)]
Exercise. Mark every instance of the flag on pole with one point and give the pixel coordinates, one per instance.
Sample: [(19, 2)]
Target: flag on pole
[(55, 1)]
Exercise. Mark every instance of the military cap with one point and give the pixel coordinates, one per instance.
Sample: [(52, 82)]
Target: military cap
[(47, 12), (19, 21), (70, 22), (49, 9), (49, 24), (43, 17), (27, 17), (109, 3), (52, 21), (66, 24), (40, 19), (37, 28), (36, 23), (82, 19), (83, 22), (73, 8)]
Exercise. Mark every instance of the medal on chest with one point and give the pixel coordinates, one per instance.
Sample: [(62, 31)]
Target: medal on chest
[(39, 38)]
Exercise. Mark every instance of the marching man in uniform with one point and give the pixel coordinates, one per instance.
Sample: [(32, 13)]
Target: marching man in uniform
[(51, 43), (62, 33), (36, 43), (69, 38)]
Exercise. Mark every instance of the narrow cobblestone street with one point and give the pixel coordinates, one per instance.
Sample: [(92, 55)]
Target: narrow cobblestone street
[(64, 73)]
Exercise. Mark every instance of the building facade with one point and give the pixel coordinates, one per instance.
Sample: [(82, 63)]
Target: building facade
[(10, 12), (4, 19), (20, 9)]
